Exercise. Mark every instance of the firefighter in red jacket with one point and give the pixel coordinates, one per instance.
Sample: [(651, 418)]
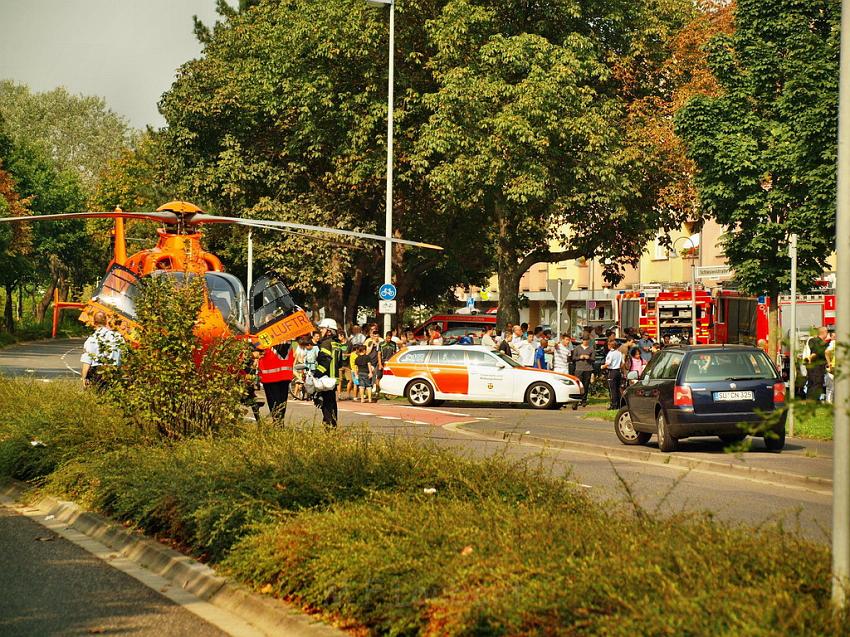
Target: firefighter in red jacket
[(276, 372)]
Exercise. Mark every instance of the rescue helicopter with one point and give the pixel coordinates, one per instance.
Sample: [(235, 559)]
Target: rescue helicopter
[(268, 315)]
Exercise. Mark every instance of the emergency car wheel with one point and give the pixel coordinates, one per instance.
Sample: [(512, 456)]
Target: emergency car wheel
[(419, 393), (540, 396)]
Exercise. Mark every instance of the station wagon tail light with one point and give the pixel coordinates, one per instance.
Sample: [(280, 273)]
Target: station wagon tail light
[(778, 392), (388, 371), (682, 396)]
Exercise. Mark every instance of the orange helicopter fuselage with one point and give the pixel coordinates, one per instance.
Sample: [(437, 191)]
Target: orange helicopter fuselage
[(172, 253)]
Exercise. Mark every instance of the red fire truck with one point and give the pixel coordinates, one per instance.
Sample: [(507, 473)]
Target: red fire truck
[(723, 316)]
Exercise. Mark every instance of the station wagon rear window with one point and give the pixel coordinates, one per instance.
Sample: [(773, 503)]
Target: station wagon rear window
[(728, 365)]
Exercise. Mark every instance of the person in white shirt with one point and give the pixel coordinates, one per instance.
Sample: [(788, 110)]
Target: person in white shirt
[(562, 352), (487, 338), (613, 363), (525, 349), (101, 351)]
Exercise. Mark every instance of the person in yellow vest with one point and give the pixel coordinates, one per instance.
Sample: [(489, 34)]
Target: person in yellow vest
[(276, 367)]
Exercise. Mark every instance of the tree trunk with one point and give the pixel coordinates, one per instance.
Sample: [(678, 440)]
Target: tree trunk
[(20, 302), (335, 303), (46, 300), (774, 337), (9, 310), (509, 276), (354, 293)]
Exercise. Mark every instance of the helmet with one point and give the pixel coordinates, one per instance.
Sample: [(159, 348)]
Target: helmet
[(328, 323)]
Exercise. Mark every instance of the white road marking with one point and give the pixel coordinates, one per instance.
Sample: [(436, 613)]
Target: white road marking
[(482, 418), (416, 422), (65, 362), (389, 417), (437, 411), (364, 413)]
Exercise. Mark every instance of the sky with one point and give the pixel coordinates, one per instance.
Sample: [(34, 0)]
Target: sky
[(126, 51)]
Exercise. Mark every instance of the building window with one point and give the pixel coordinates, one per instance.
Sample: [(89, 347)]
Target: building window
[(661, 253)]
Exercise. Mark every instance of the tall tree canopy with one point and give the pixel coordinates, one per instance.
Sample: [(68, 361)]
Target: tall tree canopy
[(78, 132), (766, 146)]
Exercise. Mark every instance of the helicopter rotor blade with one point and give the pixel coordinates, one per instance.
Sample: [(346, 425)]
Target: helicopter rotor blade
[(165, 217), (265, 223)]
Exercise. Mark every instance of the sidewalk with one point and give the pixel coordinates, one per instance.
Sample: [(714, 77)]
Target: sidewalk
[(802, 462)]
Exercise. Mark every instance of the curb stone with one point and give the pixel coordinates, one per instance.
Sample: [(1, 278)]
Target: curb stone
[(652, 457), (269, 615)]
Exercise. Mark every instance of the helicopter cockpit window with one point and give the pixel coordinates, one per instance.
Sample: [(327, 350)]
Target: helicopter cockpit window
[(118, 290), (224, 291), (270, 301), (228, 295)]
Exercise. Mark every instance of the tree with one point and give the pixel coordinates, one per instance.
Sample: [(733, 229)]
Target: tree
[(766, 146), (285, 114), (15, 239), (78, 132), (526, 128), (61, 251)]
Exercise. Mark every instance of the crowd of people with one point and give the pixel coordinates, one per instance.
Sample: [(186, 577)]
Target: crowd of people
[(352, 363)]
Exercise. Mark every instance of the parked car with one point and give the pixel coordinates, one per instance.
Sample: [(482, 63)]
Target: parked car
[(425, 374), (704, 390)]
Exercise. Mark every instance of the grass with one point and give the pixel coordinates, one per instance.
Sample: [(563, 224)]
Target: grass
[(813, 421), (600, 414), (392, 536)]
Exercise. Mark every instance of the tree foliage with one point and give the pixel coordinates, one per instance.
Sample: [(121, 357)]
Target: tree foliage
[(80, 133), (508, 134), (766, 146)]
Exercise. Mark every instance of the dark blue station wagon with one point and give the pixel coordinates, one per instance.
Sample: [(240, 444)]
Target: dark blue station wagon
[(703, 390)]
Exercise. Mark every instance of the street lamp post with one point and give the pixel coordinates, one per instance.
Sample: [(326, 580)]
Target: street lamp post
[(388, 252), (841, 435), (792, 334)]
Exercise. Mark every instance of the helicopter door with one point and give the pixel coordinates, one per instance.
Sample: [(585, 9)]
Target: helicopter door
[(118, 291), (275, 317)]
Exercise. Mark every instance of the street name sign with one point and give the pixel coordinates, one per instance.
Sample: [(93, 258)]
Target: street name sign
[(713, 271)]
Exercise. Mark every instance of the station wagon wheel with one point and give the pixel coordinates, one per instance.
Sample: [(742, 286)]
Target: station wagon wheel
[(540, 396), (625, 430), (775, 439), (419, 393), (666, 442)]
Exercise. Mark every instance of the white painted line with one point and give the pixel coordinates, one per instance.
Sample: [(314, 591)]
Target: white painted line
[(65, 362), (482, 419), (389, 417), (364, 413), (437, 411), (416, 422)]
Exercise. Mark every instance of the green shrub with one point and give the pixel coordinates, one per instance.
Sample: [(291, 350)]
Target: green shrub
[(206, 493), (170, 381), (430, 565)]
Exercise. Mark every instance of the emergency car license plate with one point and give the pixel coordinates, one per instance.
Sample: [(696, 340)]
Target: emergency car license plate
[(733, 395)]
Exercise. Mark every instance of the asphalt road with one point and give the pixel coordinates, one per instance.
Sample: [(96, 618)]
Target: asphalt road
[(53, 587), (469, 428)]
